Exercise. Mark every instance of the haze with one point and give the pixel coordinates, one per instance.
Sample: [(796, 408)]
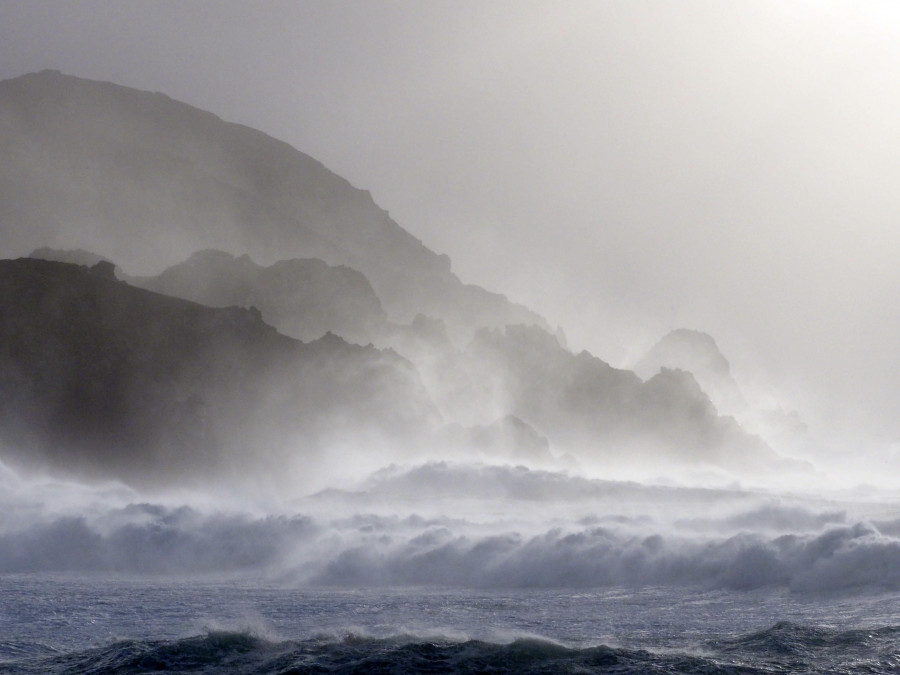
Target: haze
[(622, 168)]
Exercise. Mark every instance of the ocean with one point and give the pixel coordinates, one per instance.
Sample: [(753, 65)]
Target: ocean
[(449, 568), (64, 624)]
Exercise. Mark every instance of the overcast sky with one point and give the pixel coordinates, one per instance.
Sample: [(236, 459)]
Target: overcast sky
[(622, 167)]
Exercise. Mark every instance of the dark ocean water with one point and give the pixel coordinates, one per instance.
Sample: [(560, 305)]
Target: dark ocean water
[(69, 624), (784, 648), (449, 568)]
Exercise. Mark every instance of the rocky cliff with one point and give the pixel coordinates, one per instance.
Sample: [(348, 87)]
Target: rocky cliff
[(145, 181), (108, 380)]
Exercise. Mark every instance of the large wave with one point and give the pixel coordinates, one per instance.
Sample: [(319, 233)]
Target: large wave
[(462, 526), (783, 648)]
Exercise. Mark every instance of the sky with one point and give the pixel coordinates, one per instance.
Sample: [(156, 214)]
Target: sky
[(624, 168)]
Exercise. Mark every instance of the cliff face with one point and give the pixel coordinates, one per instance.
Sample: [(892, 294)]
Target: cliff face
[(145, 180), (581, 402), (104, 379)]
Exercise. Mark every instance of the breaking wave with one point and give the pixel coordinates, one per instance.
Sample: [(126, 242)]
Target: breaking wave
[(599, 534), (783, 648)]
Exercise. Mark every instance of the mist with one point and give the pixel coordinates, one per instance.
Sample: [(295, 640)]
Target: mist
[(449, 337), (621, 169), (515, 528), (308, 387)]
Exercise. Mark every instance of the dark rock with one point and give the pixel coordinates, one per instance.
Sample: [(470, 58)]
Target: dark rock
[(106, 380)]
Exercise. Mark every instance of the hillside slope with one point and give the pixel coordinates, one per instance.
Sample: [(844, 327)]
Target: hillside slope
[(145, 180)]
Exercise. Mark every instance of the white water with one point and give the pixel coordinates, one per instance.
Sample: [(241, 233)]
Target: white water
[(463, 526), (446, 552)]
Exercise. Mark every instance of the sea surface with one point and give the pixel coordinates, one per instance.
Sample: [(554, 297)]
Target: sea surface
[(81, 624), (449, 568)]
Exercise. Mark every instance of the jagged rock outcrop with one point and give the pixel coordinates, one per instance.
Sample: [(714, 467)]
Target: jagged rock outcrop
[(106, 380), (301, 298), (697, 353), (581, 402), (145, 180)]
